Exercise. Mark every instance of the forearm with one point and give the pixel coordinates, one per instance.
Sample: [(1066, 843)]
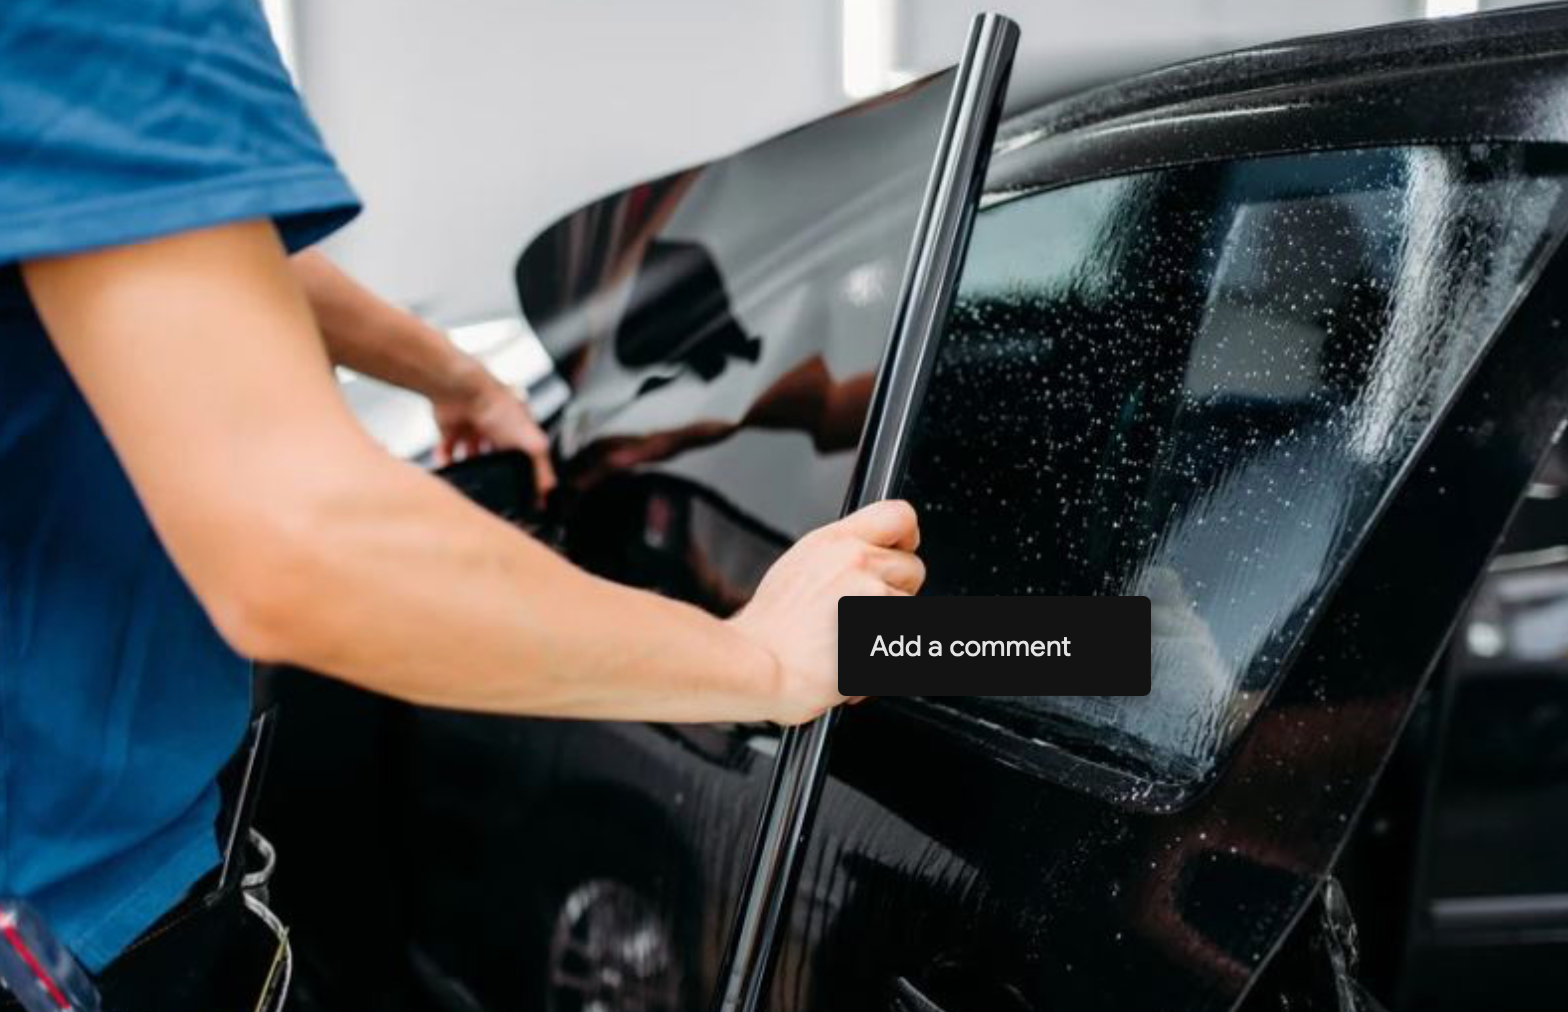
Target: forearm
[(308, 544), (365, 333), (404, 587)]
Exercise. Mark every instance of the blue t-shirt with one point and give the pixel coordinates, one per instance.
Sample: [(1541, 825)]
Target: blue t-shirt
[(120, 120)]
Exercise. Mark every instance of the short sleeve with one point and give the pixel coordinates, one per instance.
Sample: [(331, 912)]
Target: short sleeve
[(125, 120)]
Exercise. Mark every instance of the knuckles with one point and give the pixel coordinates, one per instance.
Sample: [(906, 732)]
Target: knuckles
[(903, 514)]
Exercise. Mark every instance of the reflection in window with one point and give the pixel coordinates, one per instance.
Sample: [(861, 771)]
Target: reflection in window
[(1197, 384), (723, 325)]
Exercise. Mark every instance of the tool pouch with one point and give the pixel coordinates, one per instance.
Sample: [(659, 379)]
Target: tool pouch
[(222, 952), (220, 949)]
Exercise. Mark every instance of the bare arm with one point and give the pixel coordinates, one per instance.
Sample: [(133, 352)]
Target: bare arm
[(369, 335), (308, 544), (475, 411)]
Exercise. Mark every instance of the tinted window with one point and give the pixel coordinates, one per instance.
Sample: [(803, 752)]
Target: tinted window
[(722, 327), (1197, 384)]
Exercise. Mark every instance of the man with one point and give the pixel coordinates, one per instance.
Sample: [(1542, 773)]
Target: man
[(182, 487)]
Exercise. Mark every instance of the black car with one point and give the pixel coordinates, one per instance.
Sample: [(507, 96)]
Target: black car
[(1275, 338)]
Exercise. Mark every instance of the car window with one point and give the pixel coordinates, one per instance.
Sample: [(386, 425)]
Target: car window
[(1198, 384), (722, 326)]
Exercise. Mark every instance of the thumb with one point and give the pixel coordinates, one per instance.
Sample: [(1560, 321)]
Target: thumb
[(890, 524)]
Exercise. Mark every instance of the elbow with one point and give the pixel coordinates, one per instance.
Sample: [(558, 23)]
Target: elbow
[(251, 622), (263, 599)]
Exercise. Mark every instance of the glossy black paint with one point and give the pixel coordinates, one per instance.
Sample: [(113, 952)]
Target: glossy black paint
[(1493, 77), (710, 318), (1489, 917), (942, 875)]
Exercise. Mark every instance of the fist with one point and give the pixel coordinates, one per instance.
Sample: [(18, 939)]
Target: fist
[(794, 614)]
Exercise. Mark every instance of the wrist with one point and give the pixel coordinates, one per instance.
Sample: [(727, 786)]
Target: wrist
[(462, 380), (761, 672)]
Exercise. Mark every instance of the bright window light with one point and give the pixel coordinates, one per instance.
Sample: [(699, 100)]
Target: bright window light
[(1449, 8), (870, 30)]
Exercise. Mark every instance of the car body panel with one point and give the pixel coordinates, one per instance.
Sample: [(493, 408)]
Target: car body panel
[(948, 871), (1186, 895)]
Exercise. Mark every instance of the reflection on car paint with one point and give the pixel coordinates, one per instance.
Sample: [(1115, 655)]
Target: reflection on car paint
[(722, 325)]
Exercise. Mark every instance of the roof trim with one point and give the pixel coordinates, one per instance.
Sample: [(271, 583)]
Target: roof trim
[(1501, 76)]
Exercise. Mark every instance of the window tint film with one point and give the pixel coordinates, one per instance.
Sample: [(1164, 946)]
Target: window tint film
[(721, 328), (1197, 384)]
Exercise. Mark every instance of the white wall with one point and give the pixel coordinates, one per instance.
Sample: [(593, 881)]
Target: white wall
[(469, 124), (1067, 43)]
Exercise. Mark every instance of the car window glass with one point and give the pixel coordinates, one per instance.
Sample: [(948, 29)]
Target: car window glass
[(1197, 384), (722, 327)]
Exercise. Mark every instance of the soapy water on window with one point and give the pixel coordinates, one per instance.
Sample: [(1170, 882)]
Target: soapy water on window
[(1197, 384)]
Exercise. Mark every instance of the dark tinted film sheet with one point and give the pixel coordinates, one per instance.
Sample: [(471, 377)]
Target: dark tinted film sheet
[(722, 327)]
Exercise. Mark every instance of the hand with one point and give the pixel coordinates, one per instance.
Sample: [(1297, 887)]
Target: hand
[(486, 415), (794, 614)]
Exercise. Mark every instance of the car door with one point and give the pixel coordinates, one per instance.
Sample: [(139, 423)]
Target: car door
[(1283, 369), (1490, 887), (1240, 388), (721, 327)]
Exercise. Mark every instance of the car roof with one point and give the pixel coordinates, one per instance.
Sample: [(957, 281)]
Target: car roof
[(1499, 76)]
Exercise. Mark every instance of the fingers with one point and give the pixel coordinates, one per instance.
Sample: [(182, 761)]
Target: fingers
[(901, 571), (874, 547), (544, 473), (536, 446), (888, 524), (460, 447)]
